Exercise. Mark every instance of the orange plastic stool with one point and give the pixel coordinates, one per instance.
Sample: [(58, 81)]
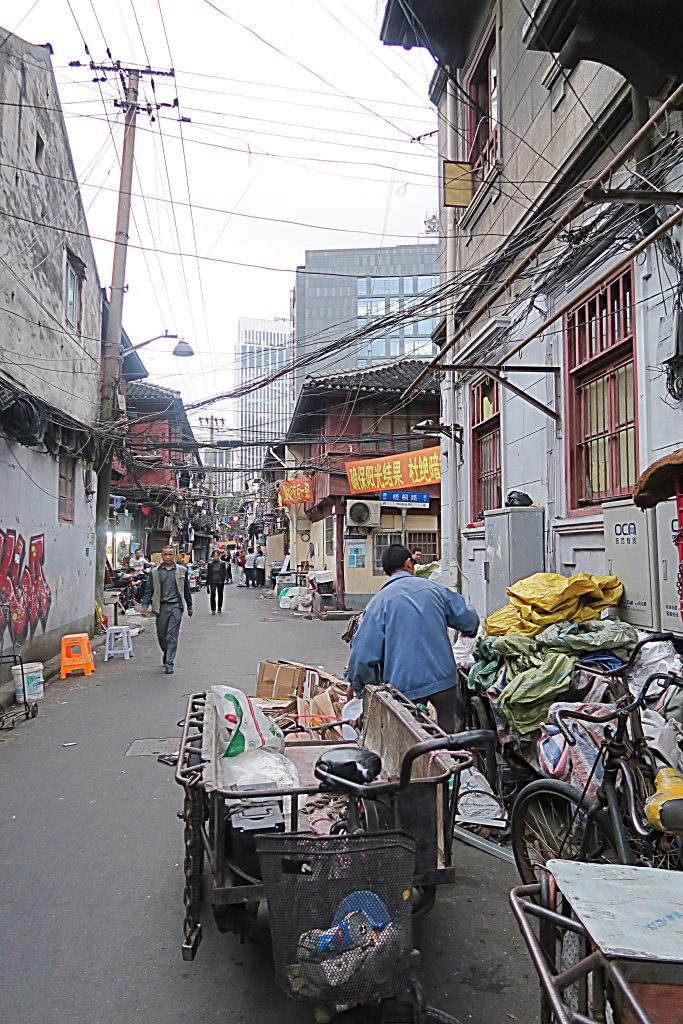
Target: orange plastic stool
[(76, 653)]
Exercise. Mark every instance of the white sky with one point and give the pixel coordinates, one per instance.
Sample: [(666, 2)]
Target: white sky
[(325, 141)]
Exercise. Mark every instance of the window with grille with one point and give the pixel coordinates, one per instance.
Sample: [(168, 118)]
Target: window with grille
[(486, 462), (380, 542), (67, 485), (329, 536), (602, 436), (482, 117), (73, 289), (426, 541)]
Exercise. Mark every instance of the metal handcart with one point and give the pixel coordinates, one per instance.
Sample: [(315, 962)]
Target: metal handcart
[(27, 709)]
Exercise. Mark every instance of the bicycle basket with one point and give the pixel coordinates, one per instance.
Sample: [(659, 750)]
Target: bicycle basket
[(340, 913)]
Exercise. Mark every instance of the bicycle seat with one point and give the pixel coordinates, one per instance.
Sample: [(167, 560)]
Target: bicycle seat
[(354, 764), (664, 809)]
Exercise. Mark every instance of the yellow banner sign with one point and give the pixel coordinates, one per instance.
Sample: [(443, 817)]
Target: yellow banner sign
[(395, 472), (294, 492)]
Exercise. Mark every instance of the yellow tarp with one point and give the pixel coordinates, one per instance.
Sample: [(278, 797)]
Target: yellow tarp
[(547, 597)]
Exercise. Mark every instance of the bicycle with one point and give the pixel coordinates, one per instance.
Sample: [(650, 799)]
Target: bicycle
[(554, 819)]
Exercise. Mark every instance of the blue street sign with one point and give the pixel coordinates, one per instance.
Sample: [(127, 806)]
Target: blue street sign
[(405, 499)]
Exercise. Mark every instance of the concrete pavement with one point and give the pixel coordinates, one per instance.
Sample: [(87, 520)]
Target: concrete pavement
[(90, 898)]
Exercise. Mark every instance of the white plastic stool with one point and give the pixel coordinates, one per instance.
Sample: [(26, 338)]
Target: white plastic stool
[(126, 648)]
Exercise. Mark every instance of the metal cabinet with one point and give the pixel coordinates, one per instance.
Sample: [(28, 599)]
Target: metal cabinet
[(631, 552), (515, 548)]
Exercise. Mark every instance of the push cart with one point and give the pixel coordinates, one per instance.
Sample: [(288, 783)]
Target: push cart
[(607, 942), (338, 905), (26, 709), (224, 825)]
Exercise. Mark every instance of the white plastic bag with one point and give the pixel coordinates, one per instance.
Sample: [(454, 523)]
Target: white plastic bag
[(477, 803), (260, 768), (655, 657), (462, 650), (242, 726), (351, 712)]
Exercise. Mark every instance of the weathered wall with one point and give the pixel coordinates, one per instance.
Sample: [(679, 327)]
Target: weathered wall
[(46, 566), (42, 216)]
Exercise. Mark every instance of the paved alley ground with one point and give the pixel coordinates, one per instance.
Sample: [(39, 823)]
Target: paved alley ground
[(90, 894)]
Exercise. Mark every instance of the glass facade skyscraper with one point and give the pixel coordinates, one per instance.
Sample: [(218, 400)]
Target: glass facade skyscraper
[(339, 291), (263, 348)]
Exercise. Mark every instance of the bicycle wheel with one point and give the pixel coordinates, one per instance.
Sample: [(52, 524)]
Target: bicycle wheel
[(551, 819), (478, 716)]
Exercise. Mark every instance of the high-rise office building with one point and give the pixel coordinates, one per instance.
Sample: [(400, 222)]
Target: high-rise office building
[(264, 347), (339, 290)]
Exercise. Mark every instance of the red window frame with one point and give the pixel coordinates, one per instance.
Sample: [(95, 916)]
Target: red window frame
[(483, 88), (486, 483), (65, 492), (601, 401)]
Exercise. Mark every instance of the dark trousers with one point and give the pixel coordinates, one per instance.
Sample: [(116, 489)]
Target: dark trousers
[(260, 577), (228, 567), (168, 627), (216, 589), (250, 576), (450, 709)]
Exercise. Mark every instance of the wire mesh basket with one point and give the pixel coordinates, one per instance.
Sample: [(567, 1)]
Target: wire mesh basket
[(340, 914)]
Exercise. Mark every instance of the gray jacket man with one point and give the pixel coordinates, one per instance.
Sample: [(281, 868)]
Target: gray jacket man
[(167, 588)]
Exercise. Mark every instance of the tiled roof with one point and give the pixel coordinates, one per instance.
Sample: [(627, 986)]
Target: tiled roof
[(140, 391), (393, 376)]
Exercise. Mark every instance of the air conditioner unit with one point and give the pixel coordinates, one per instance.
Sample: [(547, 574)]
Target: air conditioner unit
[(363, 513)]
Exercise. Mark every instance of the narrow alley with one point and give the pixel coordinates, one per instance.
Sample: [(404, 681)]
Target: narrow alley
[(91, 904)]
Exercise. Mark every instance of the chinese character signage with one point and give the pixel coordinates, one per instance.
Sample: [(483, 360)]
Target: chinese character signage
[(405, 499), (395, 472), (294, 492)]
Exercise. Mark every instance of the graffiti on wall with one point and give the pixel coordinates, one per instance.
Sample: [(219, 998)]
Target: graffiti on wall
[(24, 591)]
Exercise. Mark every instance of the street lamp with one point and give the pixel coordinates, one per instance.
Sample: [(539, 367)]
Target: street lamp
[(182, 348), (431, 427)]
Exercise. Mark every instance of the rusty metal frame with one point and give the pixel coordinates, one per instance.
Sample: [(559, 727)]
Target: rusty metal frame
[(525, 906)]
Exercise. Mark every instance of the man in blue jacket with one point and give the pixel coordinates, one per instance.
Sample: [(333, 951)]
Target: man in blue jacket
[(403, 638)]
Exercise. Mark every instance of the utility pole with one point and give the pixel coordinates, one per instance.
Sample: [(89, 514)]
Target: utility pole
[(111, 348)]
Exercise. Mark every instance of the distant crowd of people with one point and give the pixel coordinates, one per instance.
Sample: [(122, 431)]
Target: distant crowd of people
[(250, 570)]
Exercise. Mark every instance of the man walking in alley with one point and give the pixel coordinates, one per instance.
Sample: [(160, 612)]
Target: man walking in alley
[(250, 567), (167, 588), (403, 639), (216, 573)]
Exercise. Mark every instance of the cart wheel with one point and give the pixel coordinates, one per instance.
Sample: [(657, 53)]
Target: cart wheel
[(33, 711), (193, 866)]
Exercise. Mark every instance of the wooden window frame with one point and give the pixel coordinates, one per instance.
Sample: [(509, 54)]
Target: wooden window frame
[(481, 429), (600, 343), (483, 136), (66, 489)]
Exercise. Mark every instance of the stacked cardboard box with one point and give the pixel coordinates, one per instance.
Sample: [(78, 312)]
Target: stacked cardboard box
[(306, 693)]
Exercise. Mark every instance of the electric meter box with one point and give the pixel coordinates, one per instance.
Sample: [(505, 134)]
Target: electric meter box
[(667, 568), (515, 549), (631, 553)]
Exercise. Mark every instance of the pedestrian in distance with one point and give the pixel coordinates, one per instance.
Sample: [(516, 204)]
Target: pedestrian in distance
[(241, 570), (168, 592), (403, 639), (226, 558), (260, 567), (215, 578), (416, 555), (250, 567)]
